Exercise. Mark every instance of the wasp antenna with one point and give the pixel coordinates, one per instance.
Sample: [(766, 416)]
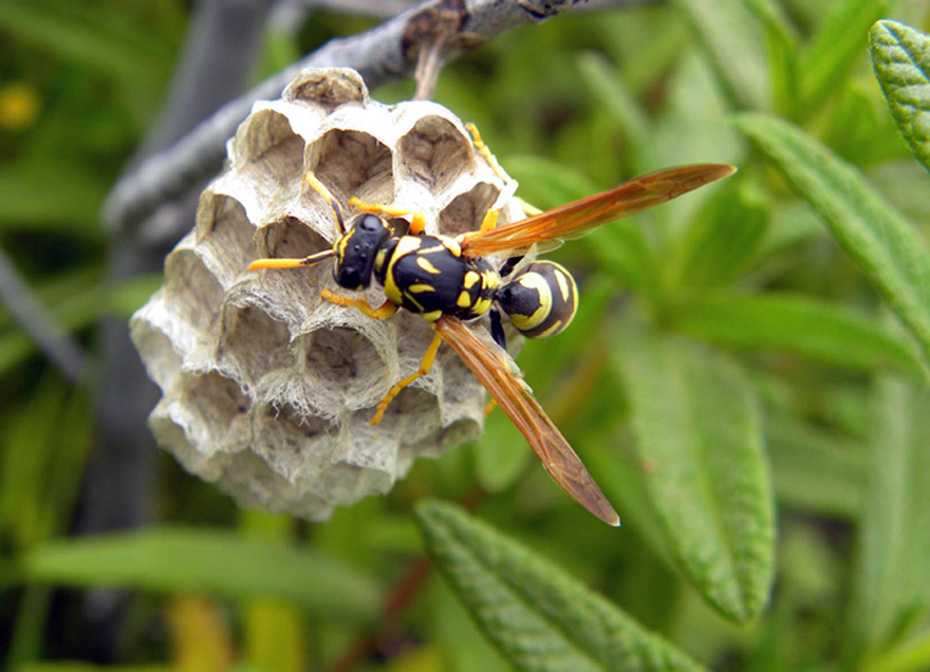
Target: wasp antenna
[(312, 260), (321, 189)]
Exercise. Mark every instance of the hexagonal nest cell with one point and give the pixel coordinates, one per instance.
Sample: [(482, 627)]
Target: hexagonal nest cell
[(267, 388)]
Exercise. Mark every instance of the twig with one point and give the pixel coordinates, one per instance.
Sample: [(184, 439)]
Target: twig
[(430, 33), (52, 339), (380, 55)]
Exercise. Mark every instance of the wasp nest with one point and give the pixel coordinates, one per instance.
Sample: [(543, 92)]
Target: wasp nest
[(267, 388)]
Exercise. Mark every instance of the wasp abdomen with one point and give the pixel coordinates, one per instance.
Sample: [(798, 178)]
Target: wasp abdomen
[(541, 300)]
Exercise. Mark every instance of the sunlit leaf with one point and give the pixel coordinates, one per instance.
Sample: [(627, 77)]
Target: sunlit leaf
[(901, 58), (721, 240), (697, 427), (539, 617), (894, 541), (836, 46), (813, 470), (179, 560), (890, 252), (826, 332), (733, 36)]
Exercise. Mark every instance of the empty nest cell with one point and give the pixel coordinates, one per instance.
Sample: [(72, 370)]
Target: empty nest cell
[(467, 210), (192, 291), (352, 163), (289, 237), (216, 399), (224, 236), (435, 152), (252, 343), (346, 365)]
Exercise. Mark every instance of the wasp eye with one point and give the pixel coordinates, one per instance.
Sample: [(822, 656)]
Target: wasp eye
[(370, 223)]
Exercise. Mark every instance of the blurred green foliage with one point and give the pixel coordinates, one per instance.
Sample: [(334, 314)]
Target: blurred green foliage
[(746, 377)]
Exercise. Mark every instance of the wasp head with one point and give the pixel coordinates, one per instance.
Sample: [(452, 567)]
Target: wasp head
[(356, 250)]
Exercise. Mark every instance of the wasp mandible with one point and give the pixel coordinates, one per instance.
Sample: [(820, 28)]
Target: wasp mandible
[(449, 281)]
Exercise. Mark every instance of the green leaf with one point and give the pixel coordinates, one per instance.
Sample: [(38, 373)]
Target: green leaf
[(697, 426), (901, 59), (892, 255), (894, 540), (783, 62), (91, 33), (180, 560), (79, 666), (835, 47), (501, 455), (540, 618), (822, 331), (545, 183), (721, 240), (604, 84), (733, 37), (464, 647), (814, 470)]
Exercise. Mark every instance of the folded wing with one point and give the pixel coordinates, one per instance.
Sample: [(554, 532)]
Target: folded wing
[(486, 361)]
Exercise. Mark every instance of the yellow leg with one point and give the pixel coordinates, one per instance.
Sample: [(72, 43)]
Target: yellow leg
[(417, 224), (485, 151), (425, 365), (327, 196), (490, 217), (383, 311)]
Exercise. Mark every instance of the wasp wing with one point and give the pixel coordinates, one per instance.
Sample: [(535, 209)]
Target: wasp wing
[(486, 361), (573, 218)]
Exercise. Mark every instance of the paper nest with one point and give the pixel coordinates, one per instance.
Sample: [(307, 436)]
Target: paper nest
[(267, 388)]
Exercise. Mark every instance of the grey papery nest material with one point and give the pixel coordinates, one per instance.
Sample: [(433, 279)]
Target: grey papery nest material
[(267, 388)]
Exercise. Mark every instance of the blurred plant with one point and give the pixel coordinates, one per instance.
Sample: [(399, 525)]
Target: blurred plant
[(729, 359)]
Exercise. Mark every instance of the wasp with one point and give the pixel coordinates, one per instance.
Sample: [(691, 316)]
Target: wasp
[(450, 281)]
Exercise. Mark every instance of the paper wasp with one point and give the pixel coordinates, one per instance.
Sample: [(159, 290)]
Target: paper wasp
[(449, 281)]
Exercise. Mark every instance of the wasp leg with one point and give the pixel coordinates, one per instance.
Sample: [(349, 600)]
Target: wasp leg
[(417, 224), (383, 311), (490, 217), (497, 328), (425, 365), (485, 151), (320, 188)]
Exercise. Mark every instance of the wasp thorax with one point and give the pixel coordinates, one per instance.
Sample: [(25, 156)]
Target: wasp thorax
[(356, 251), (267, 388), (541, 300)]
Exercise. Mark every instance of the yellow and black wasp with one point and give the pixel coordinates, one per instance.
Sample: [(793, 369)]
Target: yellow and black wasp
[(449, 281)]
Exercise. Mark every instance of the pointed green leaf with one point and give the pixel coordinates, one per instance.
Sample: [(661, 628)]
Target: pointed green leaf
[(783, 54), (901, 59), (206, 561), (540, 618), (816, 329), (696, 423), (721, 240), (814, 470), (605, 85), (891, 253), (733, 37), (894, 541), (835, 47)]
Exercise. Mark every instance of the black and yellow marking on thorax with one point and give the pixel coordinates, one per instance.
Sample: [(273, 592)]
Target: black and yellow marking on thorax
[(541, 300), (429, 276)]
